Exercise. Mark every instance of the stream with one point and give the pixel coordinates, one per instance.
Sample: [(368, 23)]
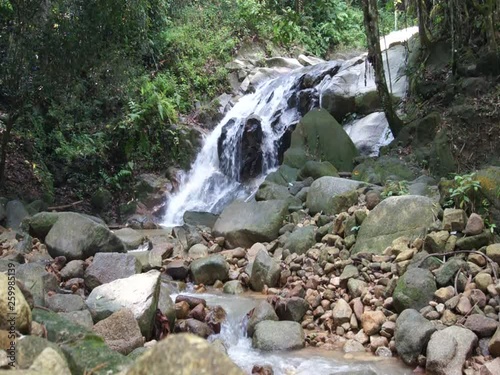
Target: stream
[(298, 362)]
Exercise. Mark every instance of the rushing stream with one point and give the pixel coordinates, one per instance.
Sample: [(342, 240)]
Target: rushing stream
[(298, 362)]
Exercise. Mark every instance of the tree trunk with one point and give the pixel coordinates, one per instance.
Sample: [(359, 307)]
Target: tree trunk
[(370, 12), (422, 30), (9, 124)]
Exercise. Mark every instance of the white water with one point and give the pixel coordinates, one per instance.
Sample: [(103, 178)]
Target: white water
[(298, 362)]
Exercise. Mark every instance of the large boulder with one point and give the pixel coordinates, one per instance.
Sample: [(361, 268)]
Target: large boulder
[(210, 269), (489, 178), (265, 271), (243, 224), (324, 192), (319, 136), (138, 293), (77, 237), (414, 289), (383, 169), (448, 349), (195, 218), (407, 215), (14, 310), (107, 267), (263, 311), (272, 335), (184, 354), (131, 238), (317, 169), (370, 133), (412, 334)]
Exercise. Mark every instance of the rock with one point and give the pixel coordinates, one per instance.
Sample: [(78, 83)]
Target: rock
[(317, 169), (323, 193), (65, 303), (324, 139), (301, 240), (483, 280), (183, 354), (491, 368), (198, 251), (177, 269), (195, 218), (272, 335), (16, 213), (138, 293), (414, 290), (407, 215), (446, 273), (81, 317), (341, 313), (413, 332), (40, 224), (379, 171), (348, 272), (283, 175), (37, 280), (475, 225), (481, 325), (474, 242), (233, 287), (494, 344), (448, 349), (82, 348), (370, 132), (107, 267), (261, 222), (444, 294), (210, 269), (265, 271), (454, 220), (131, 238), (120, 331), (293, 308), (12, 301), (78, 237), (435, 242), (28, 348), (493, 251), (195, 327), (73, 269), (352, 346), (356, 287), (51, 362), (372, 321), (263, 311)]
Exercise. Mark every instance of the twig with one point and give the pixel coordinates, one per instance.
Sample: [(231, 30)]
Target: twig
[(65, 206), (456, 280)]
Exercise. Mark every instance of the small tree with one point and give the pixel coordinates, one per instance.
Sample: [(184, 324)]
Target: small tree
[(370, 12)]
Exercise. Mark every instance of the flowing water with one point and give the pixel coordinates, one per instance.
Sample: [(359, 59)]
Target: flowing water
[(298, 362)]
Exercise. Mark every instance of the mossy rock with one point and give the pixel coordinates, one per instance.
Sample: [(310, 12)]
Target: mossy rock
[(383, 169), (419, 132), (283, 175), (318, 136), (317, 169), (441, 161), (367, 103), (40, 224), (414, 290)]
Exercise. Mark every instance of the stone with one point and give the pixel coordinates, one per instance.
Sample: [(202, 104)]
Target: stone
[(475, 225), (73, 269), (9, 294), (301, 240), (454, 220), (493, 251), (81, 317), (412, 334), (341, 312), (77, 237), (483, 280), (444, 294), (177, 269), (107, 267), (414, 289), (210, 269), (474, 242), (407, 215), (271, 335), (481, 325), (445, 275), (195, 218), (265, 271), (293, 308), (138, 293), (491, 368), (372, 321), (198, 251), (65, 302), (233, 287), (356, 287), (183, 354), (131, 238), (263, 311), (28, 348), (448, 349), (380, 171), (353, 346), (120, 331), (435, 242), (51, 362), (260, 223), (15, 214), (494, 344), (317, 169), (328, 195)]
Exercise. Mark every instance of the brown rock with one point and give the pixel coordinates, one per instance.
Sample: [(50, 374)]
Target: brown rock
[(481, 325), (198, 313), (341, 312), (494, 344), (358, 308), (444, 294), (475, 225), (181, 310), (491, 368), (372, 199), (454, 219), (377, 341), (464, 305), (192, 301), (372, 321)]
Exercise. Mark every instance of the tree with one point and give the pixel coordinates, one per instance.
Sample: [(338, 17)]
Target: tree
[(370, 12)]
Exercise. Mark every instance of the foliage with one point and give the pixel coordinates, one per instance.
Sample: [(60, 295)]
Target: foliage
[(395, 188), (466, 193)]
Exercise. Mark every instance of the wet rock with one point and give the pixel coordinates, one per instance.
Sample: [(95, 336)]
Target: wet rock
[(195, 218), (195, 327), (138, 293), (263, 311), (448, 349), (414, 289), (120, 331), (265, 271), (210, 269), (271, 335), (413, 332), (107, 267), (183, 353)]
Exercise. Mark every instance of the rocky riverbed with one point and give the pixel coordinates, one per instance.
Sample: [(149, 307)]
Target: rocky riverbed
[(339, 266)]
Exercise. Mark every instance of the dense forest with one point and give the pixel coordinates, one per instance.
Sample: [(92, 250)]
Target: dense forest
[(92, 92)]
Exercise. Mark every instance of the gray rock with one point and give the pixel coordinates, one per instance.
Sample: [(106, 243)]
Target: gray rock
[(16, 213), (260, 223), (263, 311), (412, 334), (177, 269), (265, 271), (65, 302), (210, 269), (165, 302), (107, 267), (81, 317), (183, 354), (407, 215), (323, 191), (448, 349), (73, 269), (78, 237), (301, 240), (198, 251), (120, 331), (233, 287), (370, 132), (446, 273), (138, 293), (131, 238), (341, 312), (353, 346), (51, 362), (414, 290), (37, 280), (195, 218), (271, 335), (293, 308), (29, 348), (481, 325)]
